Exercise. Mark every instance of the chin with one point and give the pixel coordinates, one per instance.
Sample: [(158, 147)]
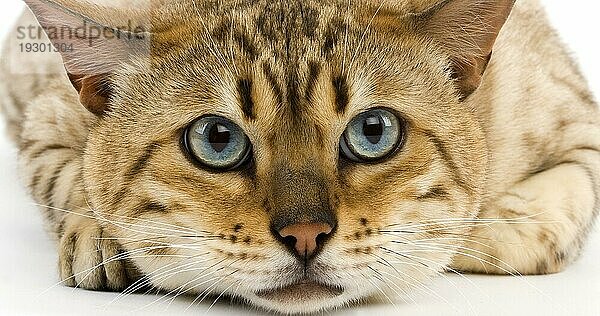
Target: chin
[(303, 297)]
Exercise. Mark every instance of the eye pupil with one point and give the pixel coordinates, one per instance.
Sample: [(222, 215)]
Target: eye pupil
[(372, 136), (217, 143), (373, 129), (219, 137)]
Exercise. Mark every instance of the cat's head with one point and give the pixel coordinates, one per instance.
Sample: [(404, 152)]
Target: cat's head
[(299, 155)]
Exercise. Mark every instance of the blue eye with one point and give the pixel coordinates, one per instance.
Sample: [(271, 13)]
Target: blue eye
[(372, 136), (218, 143)]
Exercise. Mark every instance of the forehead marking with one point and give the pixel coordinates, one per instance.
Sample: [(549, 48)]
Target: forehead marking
[(246, 45), (314, 70), (268, 72), (244, 89), (341, 94)]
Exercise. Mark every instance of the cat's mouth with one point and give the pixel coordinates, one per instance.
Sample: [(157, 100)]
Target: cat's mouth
[(305, 290)]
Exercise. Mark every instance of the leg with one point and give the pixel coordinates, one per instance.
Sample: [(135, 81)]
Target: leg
[(88, 258), (51, 150), (542, 221)]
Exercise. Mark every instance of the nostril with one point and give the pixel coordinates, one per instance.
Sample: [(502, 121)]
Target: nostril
[(289, 241), (322, 237)]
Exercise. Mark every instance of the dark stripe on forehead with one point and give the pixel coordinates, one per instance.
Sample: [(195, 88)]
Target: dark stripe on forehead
[(314, 69), (293, 97), (244, 87), (222, 31), (341, 94), (329, 43), (268, 72), (246, 45), (310, 21), (336, 30)]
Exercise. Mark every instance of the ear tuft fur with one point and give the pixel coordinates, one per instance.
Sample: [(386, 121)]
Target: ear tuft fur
[(467, 30), (95, 42)]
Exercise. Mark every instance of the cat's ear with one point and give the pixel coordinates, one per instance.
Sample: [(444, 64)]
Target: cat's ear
[(94, 42), (467, 30)]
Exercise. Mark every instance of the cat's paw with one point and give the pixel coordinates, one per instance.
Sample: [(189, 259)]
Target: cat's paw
[(90, 259)]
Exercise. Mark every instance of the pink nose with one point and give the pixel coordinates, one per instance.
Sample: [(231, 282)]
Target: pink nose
[(306, 236)]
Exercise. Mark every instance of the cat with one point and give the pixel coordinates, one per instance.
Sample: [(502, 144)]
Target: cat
[(303, 155)]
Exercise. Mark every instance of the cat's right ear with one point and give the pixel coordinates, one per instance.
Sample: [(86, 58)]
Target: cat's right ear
[(94, 41), (467, 30)]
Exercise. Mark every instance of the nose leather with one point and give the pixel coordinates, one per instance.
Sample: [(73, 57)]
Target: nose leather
[(306, 236)]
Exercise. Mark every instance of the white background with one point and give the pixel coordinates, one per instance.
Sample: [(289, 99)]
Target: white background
[(28, 259)]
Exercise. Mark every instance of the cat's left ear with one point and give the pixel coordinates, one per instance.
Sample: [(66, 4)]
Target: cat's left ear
[(95, 42), (467, 30)]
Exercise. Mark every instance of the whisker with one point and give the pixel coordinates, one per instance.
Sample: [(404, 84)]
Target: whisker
[(159, 279), (518, 220), (221, 294), (418, 263), (120, 256), (515, 274), (379, 289), (147, 281), (137, 219), (206, 292), (362, 39), (116, 223), (387, 281), (418, 283)]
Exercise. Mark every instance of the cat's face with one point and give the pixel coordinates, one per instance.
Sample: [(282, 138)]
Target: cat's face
[(297, 155), (293, 88)]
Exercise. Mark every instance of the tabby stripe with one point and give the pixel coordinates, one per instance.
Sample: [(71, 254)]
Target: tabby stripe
[(118, 198), (314, 69), (139, 165), (336, 30), (47, 194), (293, 97), (35, 179), (154, 206), (435, 192), (591, 176), (26, 144), (341, 94), (37, 153), (60, 229), (310, 20), (448, 160), (222, 30), (587, 148), (331, 39), (51, 184), (244, 87), (143, 160), (581, 94), (135, 169), (246, 45), (50, 216), (268, 72)]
